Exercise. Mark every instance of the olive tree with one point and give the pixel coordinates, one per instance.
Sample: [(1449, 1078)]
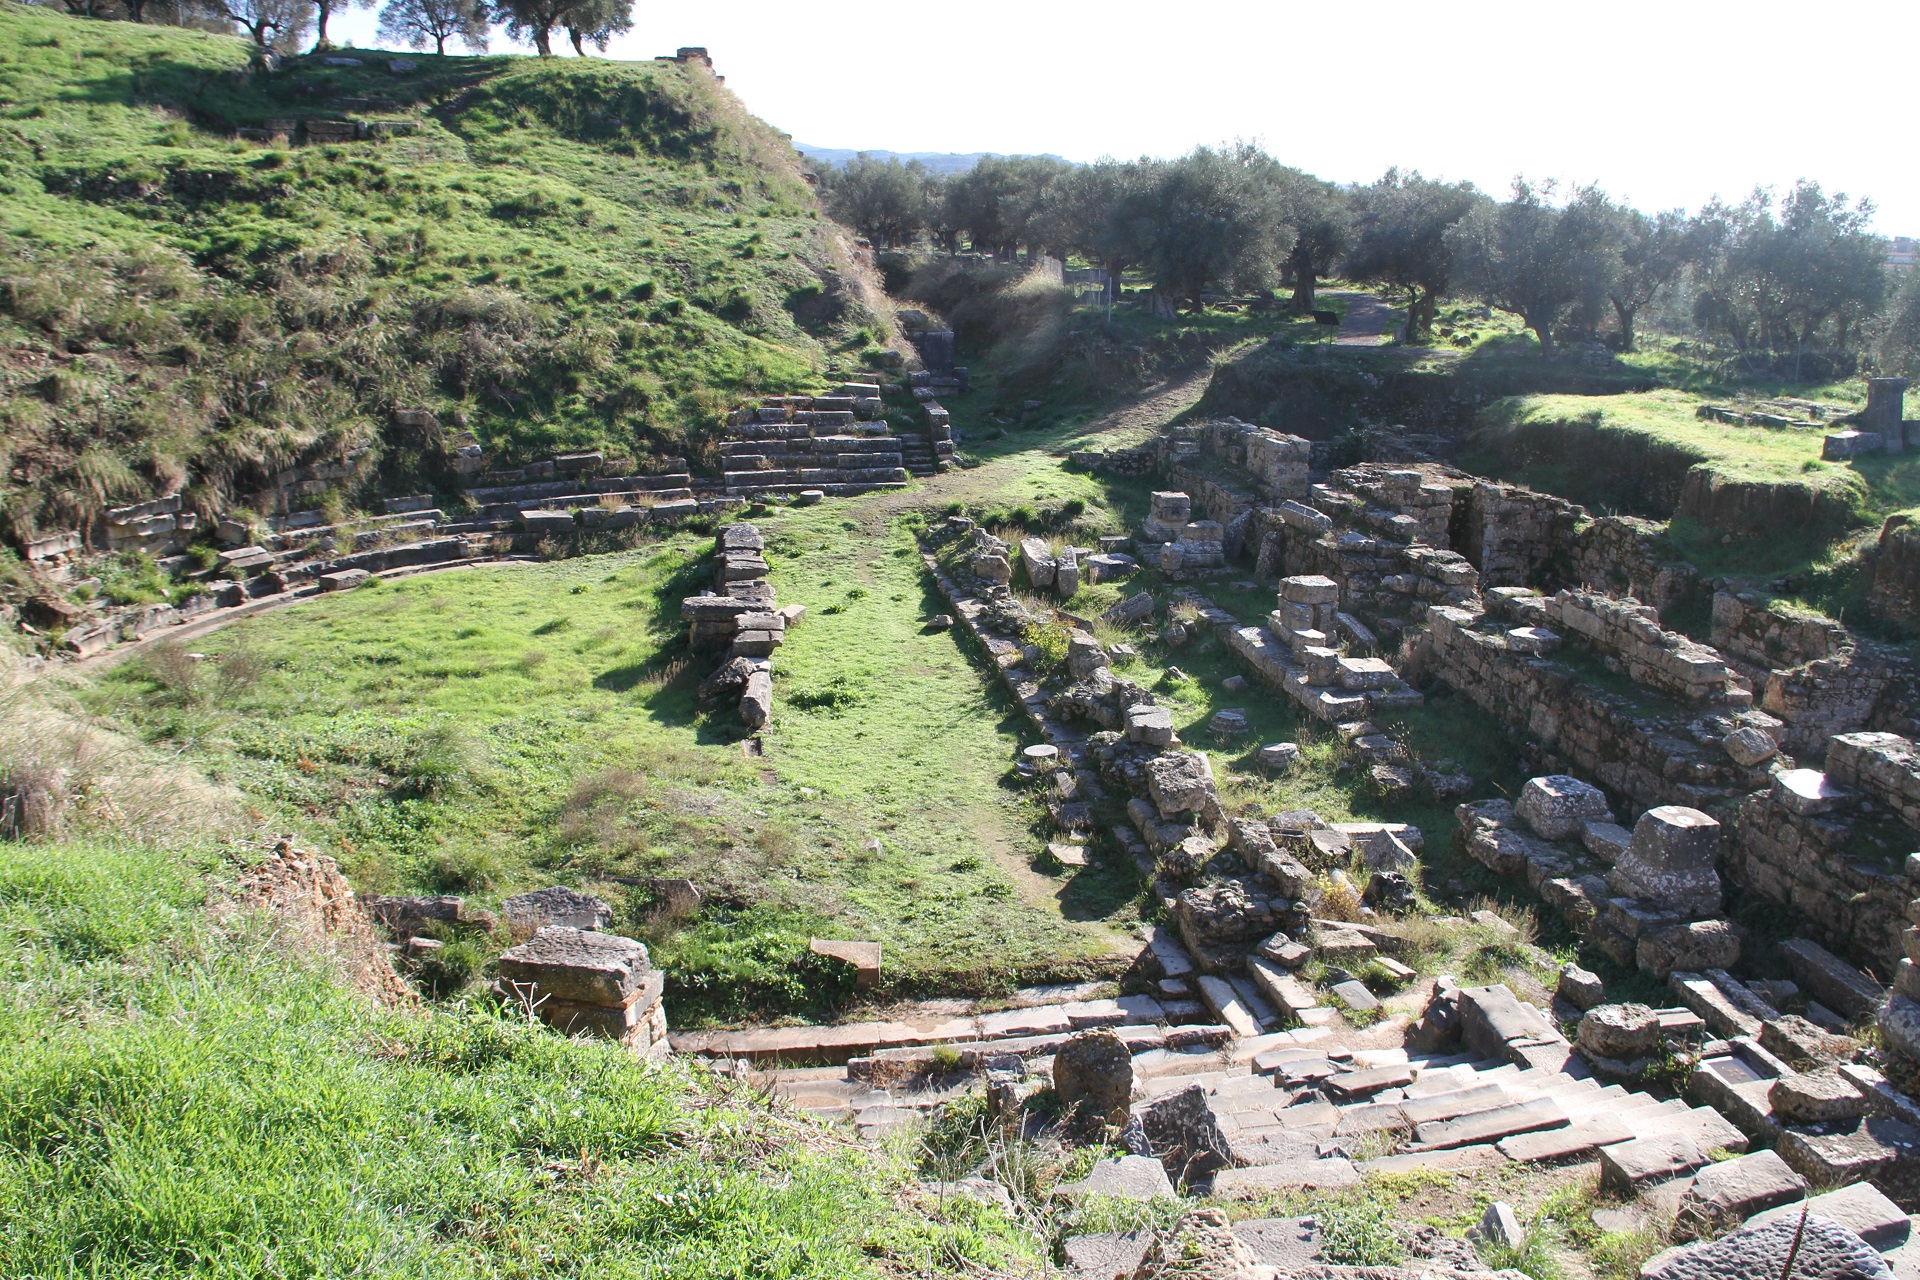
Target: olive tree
[(1400, 240), (1533, 258)]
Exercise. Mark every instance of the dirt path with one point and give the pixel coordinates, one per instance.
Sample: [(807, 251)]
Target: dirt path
[(1367, 322)]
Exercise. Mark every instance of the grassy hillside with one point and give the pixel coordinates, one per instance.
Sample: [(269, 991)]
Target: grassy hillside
[(563, 254), (185, 1093)]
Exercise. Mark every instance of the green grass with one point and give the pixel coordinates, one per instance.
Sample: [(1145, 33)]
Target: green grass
[(489, 731), (1664, 419), (566, 253), (189, 1097)]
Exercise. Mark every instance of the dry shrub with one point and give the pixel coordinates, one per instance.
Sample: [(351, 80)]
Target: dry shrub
[(111, 782), (1338, 900), (595, 813)]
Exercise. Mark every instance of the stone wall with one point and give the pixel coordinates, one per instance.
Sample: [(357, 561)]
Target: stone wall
[(1896, 571), (1814, 674), (1800, 861), (1644, 757)]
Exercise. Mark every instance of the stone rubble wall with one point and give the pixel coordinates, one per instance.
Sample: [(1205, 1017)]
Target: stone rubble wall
[(1648, 760), (1663, 660), (1814, 674), (1896, 571), (740, 613), (1800, 861)]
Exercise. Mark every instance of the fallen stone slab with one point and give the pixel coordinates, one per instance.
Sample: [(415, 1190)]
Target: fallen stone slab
[(1285, 1243), (1226, 1004), (1332, 1174), (1106, 1255), (1734, 1190), (1630, 1167), (1354, 1085), (1124, 1178), (557, 905), (1825, 1251)]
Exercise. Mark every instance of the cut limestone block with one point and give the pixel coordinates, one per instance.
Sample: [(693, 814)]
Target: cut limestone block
[(1555, 806), (863, 956), (1629, 1167), (1831, 980), (577, 964), (1672, 861), (1734, 1190)]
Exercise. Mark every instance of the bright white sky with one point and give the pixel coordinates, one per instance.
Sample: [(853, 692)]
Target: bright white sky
[(1662, 102)]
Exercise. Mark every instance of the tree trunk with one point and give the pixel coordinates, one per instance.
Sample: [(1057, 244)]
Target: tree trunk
[(1624, 314), (1544, 332), (1421, 307), (575, 37), (321, 11), (1304, 285), (543, 41), (440, 46)]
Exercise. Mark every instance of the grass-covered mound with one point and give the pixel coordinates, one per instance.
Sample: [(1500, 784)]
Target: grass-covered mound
[(184, 1093), (1634, 452), (563, 253)]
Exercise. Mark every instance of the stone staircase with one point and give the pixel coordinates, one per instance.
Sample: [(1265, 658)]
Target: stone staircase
[(918, 454), (835, 443)]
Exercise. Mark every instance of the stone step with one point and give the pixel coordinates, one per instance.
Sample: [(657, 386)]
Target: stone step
[(1451, 1106), (1490, 1126), (1579, 1139)]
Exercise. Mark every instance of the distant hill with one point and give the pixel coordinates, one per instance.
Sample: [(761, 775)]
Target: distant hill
[(941, 162), (210, 273)]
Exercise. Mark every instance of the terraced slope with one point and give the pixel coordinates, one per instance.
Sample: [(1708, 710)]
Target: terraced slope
[(551, 255)]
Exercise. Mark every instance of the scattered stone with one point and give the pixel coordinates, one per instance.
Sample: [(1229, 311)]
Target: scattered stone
[(557, 905), (578, 965), (1106, 1255), (1579, 987), (940, 622), (1499, 1227), (1227, 725), (1094, 1070), (863, 956), (1234, 684), (1279, 758), (1620, 1031), (1123, 1178), (1354, 994)]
